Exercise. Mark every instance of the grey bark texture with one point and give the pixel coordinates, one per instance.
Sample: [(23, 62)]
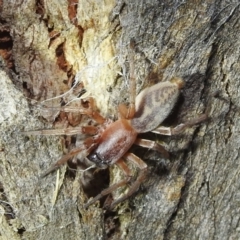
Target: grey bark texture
[(45, 44)]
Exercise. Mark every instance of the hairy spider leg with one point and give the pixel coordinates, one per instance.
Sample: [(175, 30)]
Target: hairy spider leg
[(91, 130), (123, 166), (133, 188), (86, 148), (169, 131), (140, 178), (132, 82), (124, 111), (90, 111), (152, 145)]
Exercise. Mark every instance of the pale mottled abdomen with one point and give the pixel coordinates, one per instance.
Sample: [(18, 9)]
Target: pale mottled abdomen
[(154, 104)]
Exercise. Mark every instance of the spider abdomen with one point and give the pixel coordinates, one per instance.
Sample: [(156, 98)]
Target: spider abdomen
[(154, 104)]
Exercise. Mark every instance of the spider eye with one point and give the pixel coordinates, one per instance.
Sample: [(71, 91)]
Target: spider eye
[(100, 163)]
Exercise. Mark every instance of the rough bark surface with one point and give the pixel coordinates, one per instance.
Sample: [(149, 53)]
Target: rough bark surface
[(45, 45)]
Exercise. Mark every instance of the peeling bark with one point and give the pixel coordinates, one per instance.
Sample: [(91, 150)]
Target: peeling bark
[(46, 47)]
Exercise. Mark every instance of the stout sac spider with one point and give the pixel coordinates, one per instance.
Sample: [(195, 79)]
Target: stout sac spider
[(111, 140)]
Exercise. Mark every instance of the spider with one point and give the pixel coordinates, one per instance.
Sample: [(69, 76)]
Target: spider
[(111, 140)]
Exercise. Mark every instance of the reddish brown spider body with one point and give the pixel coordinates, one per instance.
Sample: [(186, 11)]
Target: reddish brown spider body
[(119, 136), (111, 142)]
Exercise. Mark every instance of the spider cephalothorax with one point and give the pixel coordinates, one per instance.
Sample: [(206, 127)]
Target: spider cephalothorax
[(112, 140)]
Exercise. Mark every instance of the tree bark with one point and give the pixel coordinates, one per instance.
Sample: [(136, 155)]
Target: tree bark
[(47, 47)]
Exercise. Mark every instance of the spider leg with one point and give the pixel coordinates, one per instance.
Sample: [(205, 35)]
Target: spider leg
[(152, 145), (132, 82), (86, 147), (141, 177), (123, 166), (181, 127), (91, 130), (95, 115), (124, 111), (90, 110)]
